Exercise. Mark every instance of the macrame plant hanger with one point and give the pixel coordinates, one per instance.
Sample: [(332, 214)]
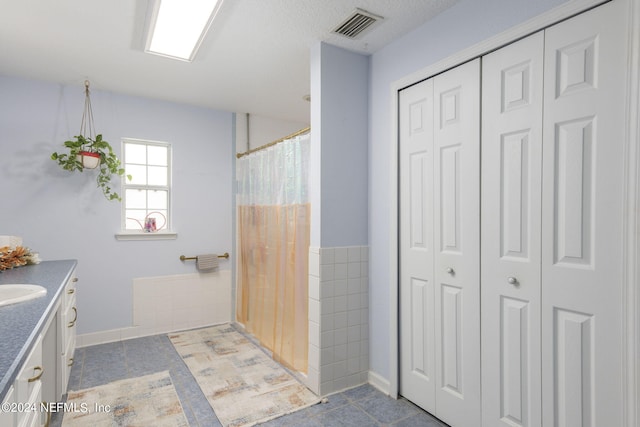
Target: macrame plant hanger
[(87, 130), (87, 115), (89, 151)]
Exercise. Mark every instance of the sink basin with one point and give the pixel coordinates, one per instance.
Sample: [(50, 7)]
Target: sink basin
[(11, 294)]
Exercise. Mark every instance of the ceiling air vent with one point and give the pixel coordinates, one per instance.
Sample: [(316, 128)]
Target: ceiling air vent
[(356, 23)]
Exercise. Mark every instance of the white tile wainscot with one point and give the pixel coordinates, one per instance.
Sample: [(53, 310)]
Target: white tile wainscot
[(172, 303), (338, 318), (179, 302)]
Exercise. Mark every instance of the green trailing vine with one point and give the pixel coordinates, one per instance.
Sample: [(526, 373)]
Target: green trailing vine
[(108, 167)]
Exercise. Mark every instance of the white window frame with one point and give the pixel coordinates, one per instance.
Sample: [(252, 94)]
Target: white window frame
[(167, 232)]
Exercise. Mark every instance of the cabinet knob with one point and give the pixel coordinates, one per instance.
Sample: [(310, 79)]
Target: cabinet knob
[(70, 291), (75, 279), (451, 271), (512, 281)]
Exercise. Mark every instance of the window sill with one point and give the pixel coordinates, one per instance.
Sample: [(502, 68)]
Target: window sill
[(139, 235)]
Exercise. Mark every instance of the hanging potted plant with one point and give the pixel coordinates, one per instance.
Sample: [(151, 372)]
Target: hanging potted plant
[(87, 152)]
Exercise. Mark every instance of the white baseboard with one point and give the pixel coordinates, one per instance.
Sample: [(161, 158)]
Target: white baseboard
[(379, 382), (123, 334)]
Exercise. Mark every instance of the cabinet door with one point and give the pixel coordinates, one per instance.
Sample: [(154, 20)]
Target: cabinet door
[(28, 385), (8, 417), (511, 197), (417, 351), (457, 243), (50, 356), (68, 333), (582, 211)]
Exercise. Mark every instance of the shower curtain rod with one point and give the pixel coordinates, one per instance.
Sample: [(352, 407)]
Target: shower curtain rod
[(262, 147)]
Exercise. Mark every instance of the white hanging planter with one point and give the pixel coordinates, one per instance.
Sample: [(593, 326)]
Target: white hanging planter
[(89, 159), (88, 152)]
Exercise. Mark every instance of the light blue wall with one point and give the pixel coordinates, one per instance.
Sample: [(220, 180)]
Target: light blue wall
[(339, 105), (63, 215), (463, 25)]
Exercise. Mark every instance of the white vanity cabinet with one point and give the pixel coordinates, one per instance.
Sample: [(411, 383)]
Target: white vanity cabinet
[(43, 377), (38, 340)]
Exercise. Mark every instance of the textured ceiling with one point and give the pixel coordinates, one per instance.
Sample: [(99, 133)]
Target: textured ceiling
[(255, 58)]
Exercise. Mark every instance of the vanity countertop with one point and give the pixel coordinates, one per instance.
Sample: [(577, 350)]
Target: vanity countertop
[(21, 323)]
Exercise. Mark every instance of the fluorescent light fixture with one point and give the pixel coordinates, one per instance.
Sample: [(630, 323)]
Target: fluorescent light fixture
[(177, 27)]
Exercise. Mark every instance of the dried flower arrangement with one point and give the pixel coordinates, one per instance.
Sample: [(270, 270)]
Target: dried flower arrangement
[(16, 257)]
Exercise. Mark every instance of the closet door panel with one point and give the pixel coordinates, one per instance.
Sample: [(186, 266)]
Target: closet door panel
[(512, 88), (457, 243), (417, 351), (585, 59)]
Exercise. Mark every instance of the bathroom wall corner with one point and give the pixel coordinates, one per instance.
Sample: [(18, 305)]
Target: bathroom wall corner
[(338, 317)]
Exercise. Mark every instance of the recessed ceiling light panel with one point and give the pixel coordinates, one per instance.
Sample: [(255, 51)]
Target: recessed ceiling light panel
[(177, 27)]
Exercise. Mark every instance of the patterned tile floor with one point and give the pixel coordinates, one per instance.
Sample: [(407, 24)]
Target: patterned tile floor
[(359, 407)]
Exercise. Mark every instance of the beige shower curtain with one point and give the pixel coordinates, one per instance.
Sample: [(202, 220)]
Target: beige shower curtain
[(273, 237)]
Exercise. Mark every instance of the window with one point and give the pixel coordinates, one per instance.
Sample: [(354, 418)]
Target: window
[(147, 196)]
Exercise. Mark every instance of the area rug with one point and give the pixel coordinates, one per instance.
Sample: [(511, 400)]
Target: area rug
[(243, 385), (150, 400)]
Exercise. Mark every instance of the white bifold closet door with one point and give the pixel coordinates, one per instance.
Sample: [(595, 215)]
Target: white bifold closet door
[(552, 208), (511, 207), (582, 217), (417, 290), (440, 244)]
